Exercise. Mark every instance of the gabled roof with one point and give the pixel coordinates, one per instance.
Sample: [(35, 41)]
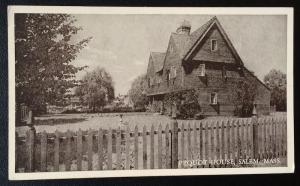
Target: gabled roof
[(187, 43), (198, 35), (182, 43), (158, 60)]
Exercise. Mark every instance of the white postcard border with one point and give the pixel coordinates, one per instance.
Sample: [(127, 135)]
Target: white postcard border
[(147, 10)]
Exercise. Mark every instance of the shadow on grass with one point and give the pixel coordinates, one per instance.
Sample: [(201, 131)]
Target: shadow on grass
[(58, 121)]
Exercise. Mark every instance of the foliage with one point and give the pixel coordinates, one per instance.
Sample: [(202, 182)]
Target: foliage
[(96, 89), (186, 103), (45, 49), (137, 92), (276, 81), (243, 94)]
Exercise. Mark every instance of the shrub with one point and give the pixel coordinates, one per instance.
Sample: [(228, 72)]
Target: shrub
[(186, 102)]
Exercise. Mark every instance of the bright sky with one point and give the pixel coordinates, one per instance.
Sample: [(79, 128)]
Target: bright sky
[(122, 43)]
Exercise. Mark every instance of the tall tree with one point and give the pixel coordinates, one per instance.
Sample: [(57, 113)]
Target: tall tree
[(137, 92), (243, 94), (276, 81), (96, 89), (44, 51)]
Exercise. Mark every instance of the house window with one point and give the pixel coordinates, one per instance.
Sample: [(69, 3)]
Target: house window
[(149, 82), (214, 45), (201, 70), (158, 81), (213, 98), (168, 76), (224, 72), (173, 72)]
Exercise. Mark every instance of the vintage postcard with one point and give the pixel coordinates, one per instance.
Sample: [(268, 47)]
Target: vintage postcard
[(119, 92)]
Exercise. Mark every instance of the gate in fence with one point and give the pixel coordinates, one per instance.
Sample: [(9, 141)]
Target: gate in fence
[(162, 147)]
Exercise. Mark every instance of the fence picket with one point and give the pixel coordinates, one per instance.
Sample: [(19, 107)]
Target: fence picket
[(222, 149), (260, 139), (195, 145), (238, 148), (109, 149), (90, 149), (233, 141), (228, 134), (56, 151), (127, 147), (242, 139), (152, 147), (269, 138), (277, 138), (68, 155), (212, 141), (168, 162), (248, 145), (159, 154), (206, 137), (280, 137), (118, 148), (44, 151), (182, 142), (136, 148), (284, 139), (189, 141), (100, 149), (218, 142), (144, 147), (200, 142), (274, 138), (79, 150)]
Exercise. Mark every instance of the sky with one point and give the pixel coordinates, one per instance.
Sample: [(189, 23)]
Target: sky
[(122, 43)]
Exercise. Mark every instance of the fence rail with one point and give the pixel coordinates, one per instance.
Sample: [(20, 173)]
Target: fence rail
[(163, 146)]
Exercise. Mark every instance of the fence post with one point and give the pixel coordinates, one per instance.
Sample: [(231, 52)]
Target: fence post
[(255, 136), (31, 147), (174, 137)]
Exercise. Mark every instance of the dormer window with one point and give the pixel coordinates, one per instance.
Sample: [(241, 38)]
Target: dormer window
[(213, 98), (213, 45)]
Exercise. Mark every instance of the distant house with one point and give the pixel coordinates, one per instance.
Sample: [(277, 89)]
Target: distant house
[(206, 61), (122, 101)]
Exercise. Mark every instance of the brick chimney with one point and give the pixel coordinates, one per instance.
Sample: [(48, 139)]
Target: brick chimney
[(184, 28)]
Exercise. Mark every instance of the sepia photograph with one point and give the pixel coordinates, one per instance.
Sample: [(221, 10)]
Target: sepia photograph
[(113, 92)]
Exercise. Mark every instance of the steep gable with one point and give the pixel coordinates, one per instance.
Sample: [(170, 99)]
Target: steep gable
[(222, 53), (202, 32), (158, 60), (150, 68)]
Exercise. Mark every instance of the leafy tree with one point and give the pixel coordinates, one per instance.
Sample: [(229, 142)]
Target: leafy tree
[(137, 92), (276, 81), (45, 50), (96, 89), (243, 94)]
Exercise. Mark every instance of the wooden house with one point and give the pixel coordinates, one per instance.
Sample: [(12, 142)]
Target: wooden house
[(205, 61)]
